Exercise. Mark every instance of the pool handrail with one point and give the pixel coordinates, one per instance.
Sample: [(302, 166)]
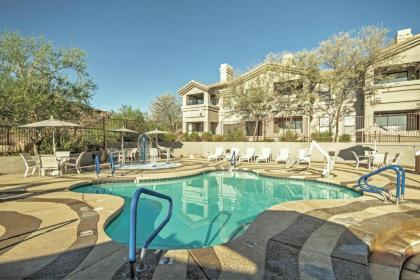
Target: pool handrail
[(400, 186), (133, 225), (111, 163), (233, 159)]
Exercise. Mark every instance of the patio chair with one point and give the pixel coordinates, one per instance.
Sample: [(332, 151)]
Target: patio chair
[(264, 156), (131, 154), (30, 164), (74, 162), (229, 155), (249, 155), (304, 157), (283, 156), (154, 154), (360, 159), (48, 163), (379, 159), (218, 154)]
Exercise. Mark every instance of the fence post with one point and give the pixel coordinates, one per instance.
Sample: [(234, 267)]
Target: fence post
[(104, 132)]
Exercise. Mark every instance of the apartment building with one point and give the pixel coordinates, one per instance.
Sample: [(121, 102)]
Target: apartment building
[(391, 99)]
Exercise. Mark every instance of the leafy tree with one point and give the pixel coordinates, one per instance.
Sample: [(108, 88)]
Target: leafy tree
[(165, 112), (253, 101), (130, 117), (346, 58), (38, 80)]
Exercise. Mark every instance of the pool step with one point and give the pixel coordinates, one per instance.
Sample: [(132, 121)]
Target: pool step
[(387, 259)]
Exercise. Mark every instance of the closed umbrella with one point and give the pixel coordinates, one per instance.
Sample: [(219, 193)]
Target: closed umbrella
[(51, 123)]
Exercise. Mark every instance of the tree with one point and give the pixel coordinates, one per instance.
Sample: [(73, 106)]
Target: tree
[(165, 112), (346, 58), (38, 80), (253, 101), (130, 117)]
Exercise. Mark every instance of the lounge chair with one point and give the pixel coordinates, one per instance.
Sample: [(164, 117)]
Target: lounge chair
[(74, 162), (264, 156), (30, 164), (48, 163), (396, 159), (283, 156), (218, 154), (304, 157), (249, 155), (360, 160), (379, 159), (229, 155)]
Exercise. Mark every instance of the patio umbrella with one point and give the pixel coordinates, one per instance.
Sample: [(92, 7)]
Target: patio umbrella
[(122, 131), (375, 129), (156, 132), (51, 123)]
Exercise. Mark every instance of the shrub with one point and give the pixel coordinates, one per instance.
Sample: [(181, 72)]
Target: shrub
[(234, 135), (345, 138), (217, 138), (207, 136), (169, 137), (289, 136), (194, 136), (322, 136)]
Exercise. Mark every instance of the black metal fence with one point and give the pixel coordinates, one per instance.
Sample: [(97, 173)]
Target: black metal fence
[(98, 134)]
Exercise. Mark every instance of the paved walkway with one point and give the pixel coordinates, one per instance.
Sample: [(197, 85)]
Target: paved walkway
[(47, 231)]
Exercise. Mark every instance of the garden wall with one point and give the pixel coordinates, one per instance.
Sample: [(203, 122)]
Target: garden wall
[(343, 150)]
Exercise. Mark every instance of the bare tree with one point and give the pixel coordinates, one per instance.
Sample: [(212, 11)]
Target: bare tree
[(346, 58), (165, 111)]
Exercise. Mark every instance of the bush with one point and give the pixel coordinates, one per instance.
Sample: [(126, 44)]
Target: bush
[(289, 136), (234, 135), (218, 138), (207, 136), (170, 137), (322, 136), (345, 138), (194, 136)]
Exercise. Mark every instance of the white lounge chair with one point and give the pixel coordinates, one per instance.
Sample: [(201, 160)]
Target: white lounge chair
[(30, 164), (74, 162), (233, 150), (218, 154), (379, 160), (249, 155), (48, 163), (283, 156), (304, 157), (264, 156), (396, 159), (360, 160)]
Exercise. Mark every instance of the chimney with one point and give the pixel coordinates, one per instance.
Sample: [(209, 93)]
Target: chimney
[(226, 73), (403, 35)]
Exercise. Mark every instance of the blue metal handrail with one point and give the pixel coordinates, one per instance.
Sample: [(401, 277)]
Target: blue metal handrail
[(233, 159), (97, 165), (111, 163), (400, 186), (133, 225)]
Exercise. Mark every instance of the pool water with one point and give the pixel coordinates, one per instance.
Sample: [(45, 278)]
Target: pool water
[(208, 209)]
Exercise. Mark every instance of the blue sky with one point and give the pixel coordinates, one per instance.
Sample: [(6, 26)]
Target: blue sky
[(140, 49)]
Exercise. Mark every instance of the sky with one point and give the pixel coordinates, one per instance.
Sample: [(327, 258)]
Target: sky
[(137, 50)]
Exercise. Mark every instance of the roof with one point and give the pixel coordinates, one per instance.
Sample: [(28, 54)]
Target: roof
[(192, 84)]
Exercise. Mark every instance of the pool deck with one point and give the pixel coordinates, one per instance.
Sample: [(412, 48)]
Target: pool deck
[(49, 232)]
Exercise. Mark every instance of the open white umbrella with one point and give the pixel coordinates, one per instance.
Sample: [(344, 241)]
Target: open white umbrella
[(373, 129), (122, 131), (51, 123), (156, 132)]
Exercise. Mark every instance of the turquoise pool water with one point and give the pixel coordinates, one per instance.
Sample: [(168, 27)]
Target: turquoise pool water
[(208, 209)]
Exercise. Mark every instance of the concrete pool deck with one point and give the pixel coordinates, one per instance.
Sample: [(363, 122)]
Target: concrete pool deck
[(47, 231)]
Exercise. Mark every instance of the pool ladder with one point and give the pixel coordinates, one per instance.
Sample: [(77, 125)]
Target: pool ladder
[(133, 227), (400, 186)]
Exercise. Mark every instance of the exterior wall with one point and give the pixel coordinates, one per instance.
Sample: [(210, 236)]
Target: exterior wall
[(201, 149)]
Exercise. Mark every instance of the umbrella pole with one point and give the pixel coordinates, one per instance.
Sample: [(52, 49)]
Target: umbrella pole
[(54, 140)]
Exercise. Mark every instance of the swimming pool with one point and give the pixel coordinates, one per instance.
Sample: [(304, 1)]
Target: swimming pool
[(208, 209), (150, 165)]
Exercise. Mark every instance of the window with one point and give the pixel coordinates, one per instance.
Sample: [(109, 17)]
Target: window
[(392, 77), (213, 127), (294, 123), (391, 121), (227, 103), (214, 99), (349, 124), (324, 124), (195, 126), (325, 96), (196, 99)]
